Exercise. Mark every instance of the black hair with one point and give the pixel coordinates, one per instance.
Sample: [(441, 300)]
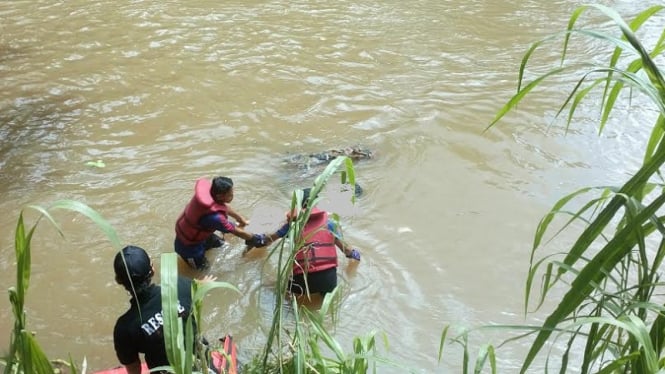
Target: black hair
[(220, 185), (133, 266)]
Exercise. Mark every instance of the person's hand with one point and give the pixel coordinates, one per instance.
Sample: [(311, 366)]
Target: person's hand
[(242, 222), (354, 254), (257, 240), (207, 278)]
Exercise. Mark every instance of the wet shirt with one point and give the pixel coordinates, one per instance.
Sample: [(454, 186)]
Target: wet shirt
[(133, 335), (217, 221)]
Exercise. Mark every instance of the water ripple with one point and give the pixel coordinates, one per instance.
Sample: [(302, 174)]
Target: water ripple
[(164, 93)]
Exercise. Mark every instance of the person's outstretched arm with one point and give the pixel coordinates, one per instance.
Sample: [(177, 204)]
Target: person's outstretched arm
[(280, 233), (348, 251), (262, 240), (242, 233), (219, 222), (242, 221), (343, 246)]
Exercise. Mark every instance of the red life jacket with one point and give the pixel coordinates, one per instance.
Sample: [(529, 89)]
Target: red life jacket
[(319, 251), (187, 228)]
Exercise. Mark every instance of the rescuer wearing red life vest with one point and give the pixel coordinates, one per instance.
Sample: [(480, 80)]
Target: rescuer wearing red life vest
[(207, 212), (317, 259)]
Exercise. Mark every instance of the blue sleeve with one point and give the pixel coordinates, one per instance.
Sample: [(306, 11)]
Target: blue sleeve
[(283, 230), (217, 222), (335, 229)]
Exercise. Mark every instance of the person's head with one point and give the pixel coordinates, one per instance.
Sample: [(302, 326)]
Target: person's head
[(303, 204), (132, 265), (222, 190)]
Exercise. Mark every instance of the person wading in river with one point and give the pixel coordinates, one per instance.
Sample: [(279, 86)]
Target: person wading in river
[(207, 212), (315, 265)]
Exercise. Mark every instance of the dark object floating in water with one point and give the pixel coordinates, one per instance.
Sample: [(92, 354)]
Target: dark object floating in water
[(309, 161), (354, 153)]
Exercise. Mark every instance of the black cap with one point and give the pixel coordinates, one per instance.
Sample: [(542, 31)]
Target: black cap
[(138, 263)]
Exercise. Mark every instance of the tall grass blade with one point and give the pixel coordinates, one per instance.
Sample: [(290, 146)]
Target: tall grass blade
[(592, 273), (34, 359), (25, 355), (512, 103), (442, 342), (79, 207), (173, 329)]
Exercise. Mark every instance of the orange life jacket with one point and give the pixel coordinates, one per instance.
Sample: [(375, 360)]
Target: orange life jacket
[(319, 251), (187, 226)]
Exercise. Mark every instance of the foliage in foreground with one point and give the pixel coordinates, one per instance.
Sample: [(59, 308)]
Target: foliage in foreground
[(25, 354), (298, 353), (610, 318), (299, 340)]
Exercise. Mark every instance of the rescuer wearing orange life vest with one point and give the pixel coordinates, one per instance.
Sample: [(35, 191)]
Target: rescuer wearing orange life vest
[(207, 212), (317, 258)]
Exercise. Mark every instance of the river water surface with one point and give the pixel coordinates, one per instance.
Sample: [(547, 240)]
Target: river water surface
[(165, 92)]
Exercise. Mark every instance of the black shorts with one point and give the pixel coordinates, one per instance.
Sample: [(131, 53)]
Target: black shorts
[(319, 282)]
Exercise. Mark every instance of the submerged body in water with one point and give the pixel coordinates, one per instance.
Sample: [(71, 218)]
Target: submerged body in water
[(311, 160), (310, 164)]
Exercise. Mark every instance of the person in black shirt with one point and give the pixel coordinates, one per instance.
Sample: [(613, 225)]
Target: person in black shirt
[(140, 329)]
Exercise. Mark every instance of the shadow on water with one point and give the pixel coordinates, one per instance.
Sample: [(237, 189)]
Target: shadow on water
[(9, 53), (35, 129)]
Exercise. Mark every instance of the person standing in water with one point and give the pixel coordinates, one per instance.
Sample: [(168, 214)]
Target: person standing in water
[(207, 212), (315, 265)]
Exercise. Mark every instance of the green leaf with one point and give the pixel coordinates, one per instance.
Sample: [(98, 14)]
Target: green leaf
[(173, 329), (592, 273), (97, 164), (92, 214), (512, 103)]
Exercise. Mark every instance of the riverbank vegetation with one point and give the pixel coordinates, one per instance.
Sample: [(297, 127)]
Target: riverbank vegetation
[(610, 317)]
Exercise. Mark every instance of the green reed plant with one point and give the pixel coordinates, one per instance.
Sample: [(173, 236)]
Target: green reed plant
[(610, 318), (184, 347), (312, 336), (297, 353), (304, 343), (25, 353), (285, 253)]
